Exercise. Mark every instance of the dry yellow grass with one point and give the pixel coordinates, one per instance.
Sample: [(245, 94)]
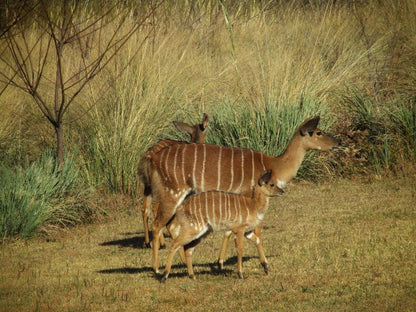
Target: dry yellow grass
[(345, 245)]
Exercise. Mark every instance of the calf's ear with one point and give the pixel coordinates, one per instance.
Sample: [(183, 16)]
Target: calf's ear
[(265, 177)]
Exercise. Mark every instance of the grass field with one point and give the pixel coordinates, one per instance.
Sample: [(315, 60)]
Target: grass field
[(341, 246)]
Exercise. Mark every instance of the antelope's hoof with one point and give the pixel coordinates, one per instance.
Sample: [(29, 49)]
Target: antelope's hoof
[(146, 245), (192, 276), (265, 267), (164, 278), (162, 247), (240, 275), (220, 265)]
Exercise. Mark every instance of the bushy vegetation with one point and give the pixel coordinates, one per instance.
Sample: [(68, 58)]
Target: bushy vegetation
[(258, 69), (40, 196)]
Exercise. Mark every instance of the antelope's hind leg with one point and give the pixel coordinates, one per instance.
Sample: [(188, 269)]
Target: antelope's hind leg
[(168, 267), (162, 237), (163, 216), (224, 246), (147, 202)]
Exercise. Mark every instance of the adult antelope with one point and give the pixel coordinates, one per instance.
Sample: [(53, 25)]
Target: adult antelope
[(181, 168), (217, 211), (197, 133)]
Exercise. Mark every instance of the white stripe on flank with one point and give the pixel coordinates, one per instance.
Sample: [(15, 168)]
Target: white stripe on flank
[(203, 170), (162, 157), (240, 214), (166, 162), (196, 214), (219, 169), (232, 171), (194, 210), (252, 169), (242, 172), (179, 202), (247, 209), (174, 166), (262, 163), (183, 164), (201, 213), (195, 159)]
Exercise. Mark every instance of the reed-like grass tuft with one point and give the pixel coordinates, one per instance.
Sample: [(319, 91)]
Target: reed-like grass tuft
[(40, 196)]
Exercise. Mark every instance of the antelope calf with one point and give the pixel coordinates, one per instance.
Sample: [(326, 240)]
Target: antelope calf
[(181, 169), (217, 211), (197, 133)]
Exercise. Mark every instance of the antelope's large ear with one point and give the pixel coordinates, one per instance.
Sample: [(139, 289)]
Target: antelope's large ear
[(205, 121), (183, 127), (309, 126), (265, 177)]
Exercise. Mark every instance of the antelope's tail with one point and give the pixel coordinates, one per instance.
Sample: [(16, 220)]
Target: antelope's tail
[(144, 170)]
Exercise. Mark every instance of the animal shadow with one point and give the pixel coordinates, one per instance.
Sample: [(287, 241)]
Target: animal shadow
[(136, 242)]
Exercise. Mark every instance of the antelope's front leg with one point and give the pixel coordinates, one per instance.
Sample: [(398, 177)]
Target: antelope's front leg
[(239, 245), (255, 236)]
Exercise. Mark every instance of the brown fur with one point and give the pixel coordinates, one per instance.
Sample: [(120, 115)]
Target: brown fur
[(180, 169), (201, 213)]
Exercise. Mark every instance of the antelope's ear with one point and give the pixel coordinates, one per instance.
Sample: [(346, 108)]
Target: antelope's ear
[(309, 126), (205, 121), (183, 127), (265, 177)]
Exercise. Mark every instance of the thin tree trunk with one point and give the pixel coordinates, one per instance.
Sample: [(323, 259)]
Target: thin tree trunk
[(59, 130)]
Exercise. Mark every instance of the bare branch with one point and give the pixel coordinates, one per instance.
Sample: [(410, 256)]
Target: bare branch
[(96, 69), (42, 62)]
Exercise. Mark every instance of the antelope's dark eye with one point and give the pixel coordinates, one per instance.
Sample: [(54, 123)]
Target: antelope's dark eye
[(272, 185), (319, 133)]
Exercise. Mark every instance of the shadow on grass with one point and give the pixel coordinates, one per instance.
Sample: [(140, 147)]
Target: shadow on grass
[(136, 242), (207, 269), (130, 242)]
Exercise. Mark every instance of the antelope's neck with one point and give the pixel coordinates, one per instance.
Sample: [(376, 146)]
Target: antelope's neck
[(287, 165), (260, 202)]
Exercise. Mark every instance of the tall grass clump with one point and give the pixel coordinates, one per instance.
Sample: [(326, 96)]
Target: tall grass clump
[(403, 116), (139, 109), (391, 129), (268, 129), (40, 196)]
